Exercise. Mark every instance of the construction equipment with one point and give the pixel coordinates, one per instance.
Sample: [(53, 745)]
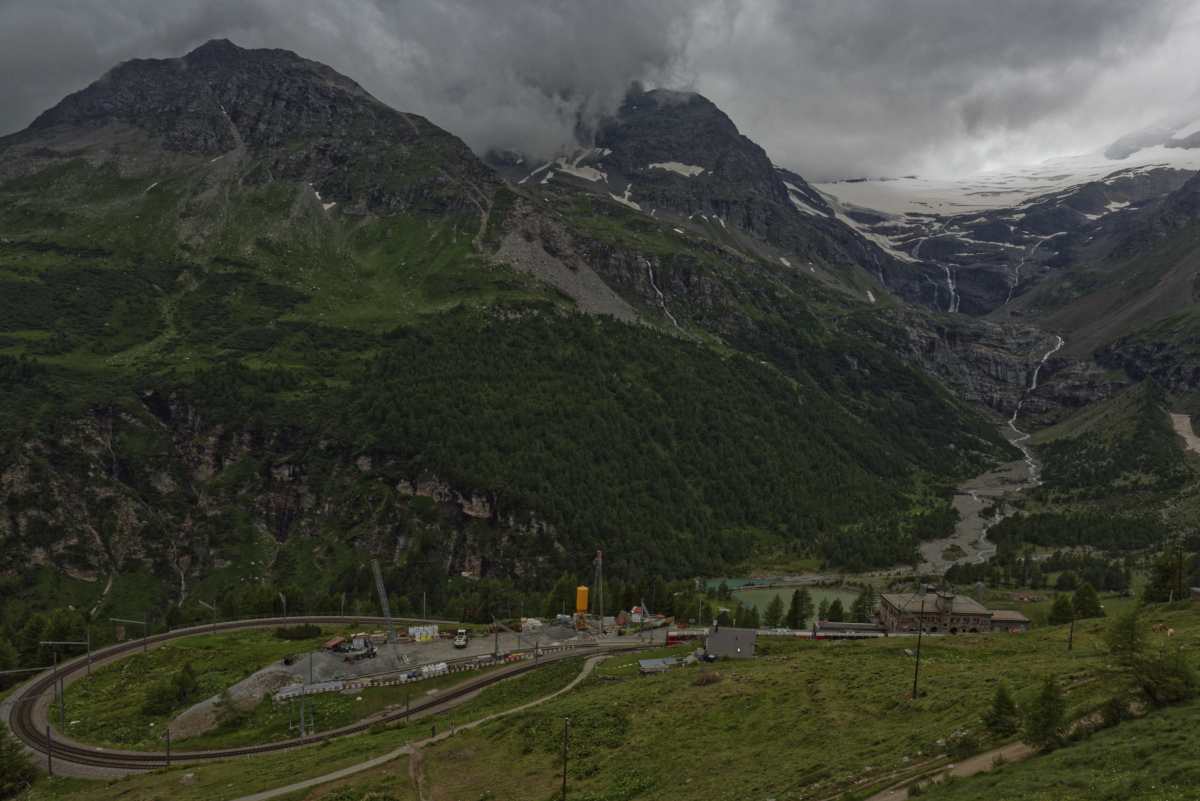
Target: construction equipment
[(387, 613)]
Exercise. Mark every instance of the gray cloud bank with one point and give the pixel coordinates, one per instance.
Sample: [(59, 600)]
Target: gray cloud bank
[(830, 89)]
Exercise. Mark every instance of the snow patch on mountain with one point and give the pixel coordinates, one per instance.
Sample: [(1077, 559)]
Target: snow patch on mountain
[(674, 166), (626, 199), (999, 189)]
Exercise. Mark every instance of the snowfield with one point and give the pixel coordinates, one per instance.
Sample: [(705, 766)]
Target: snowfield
[(674, 166), (1000, 189)]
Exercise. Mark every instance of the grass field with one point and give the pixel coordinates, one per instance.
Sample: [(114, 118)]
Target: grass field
[(627, 664), (106, 708), (811, 721), (1156, 757), (226, 779)]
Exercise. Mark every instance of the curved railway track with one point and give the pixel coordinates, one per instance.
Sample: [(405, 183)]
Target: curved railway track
[(24, 705)]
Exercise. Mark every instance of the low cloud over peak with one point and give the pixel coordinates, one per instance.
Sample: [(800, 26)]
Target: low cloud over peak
[(831, 90)]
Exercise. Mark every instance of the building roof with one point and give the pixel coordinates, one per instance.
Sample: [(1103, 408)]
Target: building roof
[(734, 642), (1008, 616), (825, 625), (935, 602)]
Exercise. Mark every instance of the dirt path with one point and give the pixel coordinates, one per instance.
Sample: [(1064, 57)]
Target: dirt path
[(413, 748), (1013, 752), (1183, 427), (416, 774)]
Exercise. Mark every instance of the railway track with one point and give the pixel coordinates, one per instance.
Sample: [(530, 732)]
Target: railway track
[(34, 733)]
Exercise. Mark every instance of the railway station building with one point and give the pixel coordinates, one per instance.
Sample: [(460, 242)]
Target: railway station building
[(944, 612)]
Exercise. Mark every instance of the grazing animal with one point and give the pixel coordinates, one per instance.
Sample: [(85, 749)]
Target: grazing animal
[(1170, 632), (1159, 627), (1014, 630)]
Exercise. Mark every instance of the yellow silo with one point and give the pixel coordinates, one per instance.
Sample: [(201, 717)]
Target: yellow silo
[(581, 599)]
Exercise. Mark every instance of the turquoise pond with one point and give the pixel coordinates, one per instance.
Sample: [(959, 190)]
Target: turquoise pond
[(760, 598)]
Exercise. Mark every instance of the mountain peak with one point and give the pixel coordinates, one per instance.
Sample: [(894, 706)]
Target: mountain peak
[(300, 119)]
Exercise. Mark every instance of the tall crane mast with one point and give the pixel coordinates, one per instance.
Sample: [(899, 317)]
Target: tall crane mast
[(387, 612)]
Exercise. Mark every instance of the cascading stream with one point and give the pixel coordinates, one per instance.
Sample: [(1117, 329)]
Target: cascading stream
[(1017, 270), (1012, 422), (662, 301), (952, 285)]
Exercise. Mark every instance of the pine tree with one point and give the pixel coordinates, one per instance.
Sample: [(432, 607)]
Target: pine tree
[(1087, 603), (863, 606), (774, 614), (1046, 716), (837, 613), (1062, 611), (1165, 574), (1002, 718), (823, 610), (16, 771), (800, 609)]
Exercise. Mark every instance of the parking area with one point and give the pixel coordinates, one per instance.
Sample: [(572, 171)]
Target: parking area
[(328, 666)]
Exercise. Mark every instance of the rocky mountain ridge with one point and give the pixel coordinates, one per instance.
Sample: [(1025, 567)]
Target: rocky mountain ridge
[(302, 120)]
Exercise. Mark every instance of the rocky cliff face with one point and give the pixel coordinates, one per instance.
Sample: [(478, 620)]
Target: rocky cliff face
[(993, 364), (168, 491), (303, 120)]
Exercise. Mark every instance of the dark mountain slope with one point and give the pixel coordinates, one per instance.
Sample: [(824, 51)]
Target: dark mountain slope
[(214, 377), (303, 120)]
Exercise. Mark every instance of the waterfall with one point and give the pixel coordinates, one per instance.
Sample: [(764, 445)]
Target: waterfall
[(662, 301), (952, 286), (1012, 422)]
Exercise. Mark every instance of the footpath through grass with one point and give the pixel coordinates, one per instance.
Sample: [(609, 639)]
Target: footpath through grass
[(1155, 758), (809, 721), (106, 709), (226, 779)]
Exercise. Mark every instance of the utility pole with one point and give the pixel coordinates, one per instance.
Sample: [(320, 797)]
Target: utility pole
[(50, 759), (168, 746), (214, 611), (143, 623), (920, 628), (600, 587), (1179, 569), (310, 668), (343, 614), (566, 729), (283, 598), (87, 642), (1071, 637)]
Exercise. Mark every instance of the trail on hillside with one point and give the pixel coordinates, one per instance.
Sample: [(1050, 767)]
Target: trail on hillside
[(1013, 752), (413, 748)]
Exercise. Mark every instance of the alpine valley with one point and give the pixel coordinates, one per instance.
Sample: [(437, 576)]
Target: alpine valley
[(258, 326), (259, 332)]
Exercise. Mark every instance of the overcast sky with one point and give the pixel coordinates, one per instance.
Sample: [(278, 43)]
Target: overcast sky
[(831, 89)]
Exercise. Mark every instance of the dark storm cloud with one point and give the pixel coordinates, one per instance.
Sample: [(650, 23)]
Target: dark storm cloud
[(829, 88)]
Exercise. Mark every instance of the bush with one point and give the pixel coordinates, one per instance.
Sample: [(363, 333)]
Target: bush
[(165, 695), (1113, 712), (1167, 680), (302, 632)]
